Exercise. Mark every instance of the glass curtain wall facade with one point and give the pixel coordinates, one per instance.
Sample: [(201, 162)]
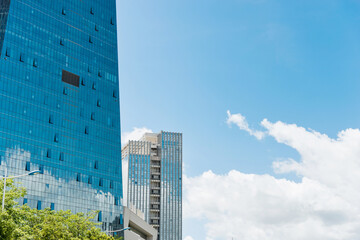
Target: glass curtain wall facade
[(139, 175), (171, 186), (59, 104), (155, 181)]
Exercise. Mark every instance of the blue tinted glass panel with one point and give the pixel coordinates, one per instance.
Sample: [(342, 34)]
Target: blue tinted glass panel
[(45, 52)]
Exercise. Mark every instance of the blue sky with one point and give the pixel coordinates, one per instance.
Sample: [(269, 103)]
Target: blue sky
[(183, 64)]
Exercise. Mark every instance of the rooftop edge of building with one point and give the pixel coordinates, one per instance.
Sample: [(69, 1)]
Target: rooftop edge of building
[(149, 138)]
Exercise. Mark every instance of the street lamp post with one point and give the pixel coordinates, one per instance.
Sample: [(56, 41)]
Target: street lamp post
[(6, 177), (3, 199)]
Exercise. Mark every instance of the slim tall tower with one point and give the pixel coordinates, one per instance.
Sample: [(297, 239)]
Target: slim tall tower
[(59, 104), (155, 181)]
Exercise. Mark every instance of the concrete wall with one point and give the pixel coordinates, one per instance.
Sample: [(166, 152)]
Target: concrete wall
[(139, 229)]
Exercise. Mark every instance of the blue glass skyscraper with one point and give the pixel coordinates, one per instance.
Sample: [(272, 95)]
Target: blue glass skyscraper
[(155, 181), (59, 104)]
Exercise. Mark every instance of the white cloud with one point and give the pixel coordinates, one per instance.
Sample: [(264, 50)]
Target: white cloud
[(135, 134), (324, 205), (241, 122), (188, 238)]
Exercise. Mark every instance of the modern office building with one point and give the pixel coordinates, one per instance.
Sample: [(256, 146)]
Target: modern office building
[(155, 181), (59, 104)]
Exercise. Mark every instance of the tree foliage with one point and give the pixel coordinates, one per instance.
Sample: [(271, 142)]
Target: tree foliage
[(23, 223)]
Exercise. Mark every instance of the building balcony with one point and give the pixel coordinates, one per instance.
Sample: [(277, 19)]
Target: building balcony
[(155, 185), (155, 158), (155, 206), (155, 176), (155, 191), (154, 199), (154, 210), (154, 221)]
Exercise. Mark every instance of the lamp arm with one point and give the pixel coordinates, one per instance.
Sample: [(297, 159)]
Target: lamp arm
[(17, 176), (128, 228)]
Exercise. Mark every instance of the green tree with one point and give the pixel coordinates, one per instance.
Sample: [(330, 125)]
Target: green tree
[(24, 223), (10, 216)]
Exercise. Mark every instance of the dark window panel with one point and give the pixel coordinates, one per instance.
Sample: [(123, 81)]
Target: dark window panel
[(61, 156), (8, 52), (70, 78), (51, 119), (56, 137), (100, 216), (27, 166), (78, 177)]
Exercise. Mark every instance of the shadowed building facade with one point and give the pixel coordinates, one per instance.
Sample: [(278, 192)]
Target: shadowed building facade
[(59, 104), (155, 181)]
